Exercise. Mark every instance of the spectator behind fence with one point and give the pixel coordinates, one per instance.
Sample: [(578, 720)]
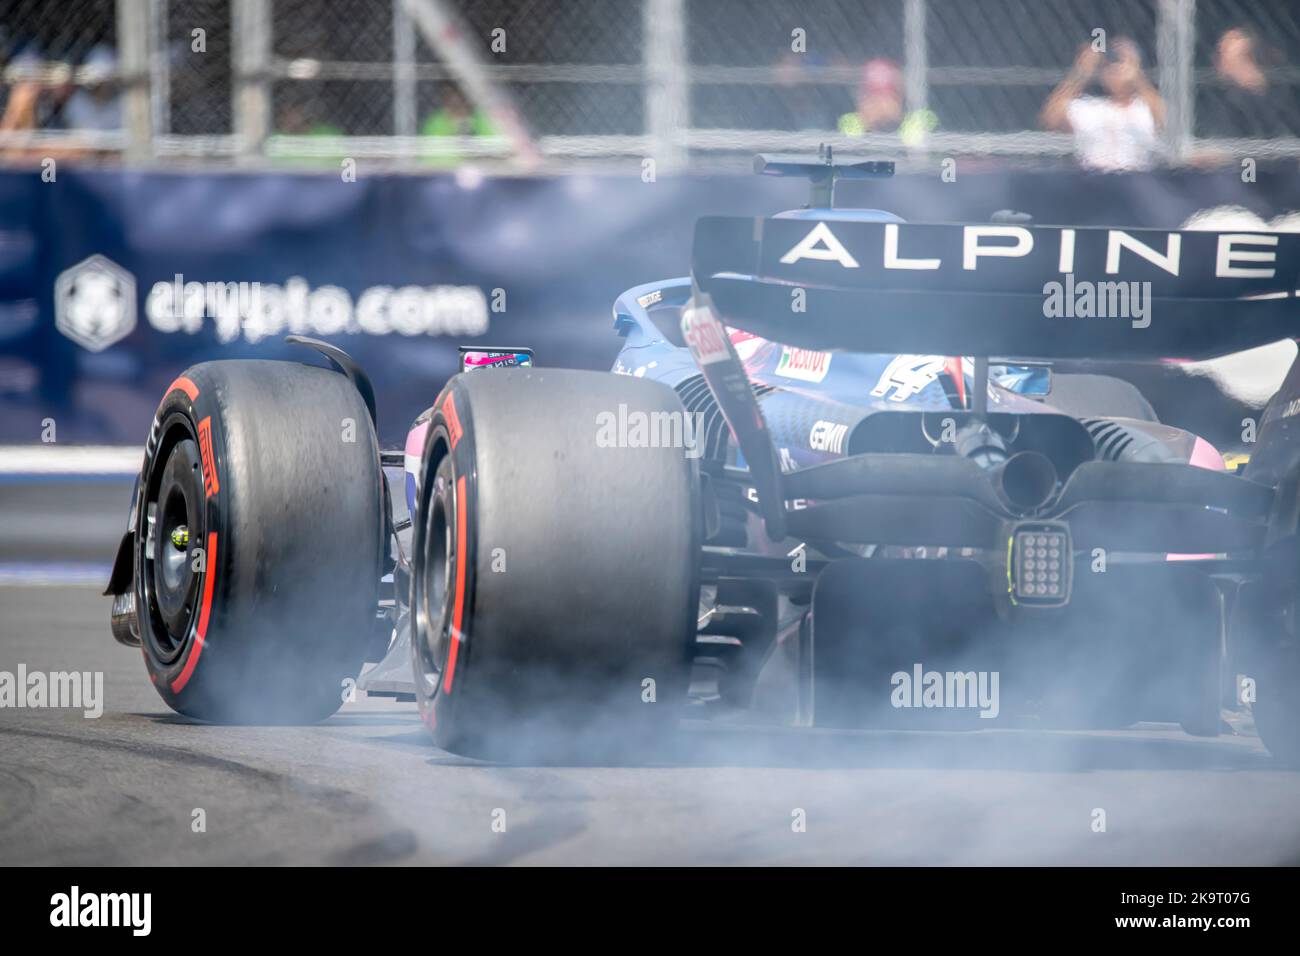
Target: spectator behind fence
[(1246, 105), (880, 106), (97, 104), (23, 92), (36, 92), (454, 119), (299, 115), (1115, 127)]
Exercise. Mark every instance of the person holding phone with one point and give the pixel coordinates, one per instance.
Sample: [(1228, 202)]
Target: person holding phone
[(1111, 108)]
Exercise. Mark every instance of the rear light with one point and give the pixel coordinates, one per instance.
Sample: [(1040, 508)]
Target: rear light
[(1040, 563)]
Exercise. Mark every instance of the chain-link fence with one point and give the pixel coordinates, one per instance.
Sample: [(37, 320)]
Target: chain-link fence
[(688, 82)]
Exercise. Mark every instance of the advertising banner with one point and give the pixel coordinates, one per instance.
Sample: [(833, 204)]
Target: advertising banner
[(112, 282)]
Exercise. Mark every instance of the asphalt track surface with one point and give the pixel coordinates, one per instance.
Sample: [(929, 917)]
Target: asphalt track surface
[(367, 786)]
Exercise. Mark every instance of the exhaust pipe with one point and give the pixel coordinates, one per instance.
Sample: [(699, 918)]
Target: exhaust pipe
[(1027, 480)]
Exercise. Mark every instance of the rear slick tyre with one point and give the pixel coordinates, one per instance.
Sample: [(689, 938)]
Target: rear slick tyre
[(555, 583)]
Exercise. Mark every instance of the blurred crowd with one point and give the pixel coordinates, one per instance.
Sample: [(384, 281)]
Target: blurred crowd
[(45, 94), (1106, 102), (83, 94), (1116, 116)]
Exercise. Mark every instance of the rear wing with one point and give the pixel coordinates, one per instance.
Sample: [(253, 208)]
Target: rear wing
[(995, 289)]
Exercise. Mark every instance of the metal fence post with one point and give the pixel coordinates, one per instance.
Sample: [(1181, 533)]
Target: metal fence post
[(916, 59), (404, 99), (250, 25), (667, 88), (159, 69), (133, 52), (1175, 49)]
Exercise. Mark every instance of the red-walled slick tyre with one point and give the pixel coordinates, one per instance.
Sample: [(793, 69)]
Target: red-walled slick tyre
[(555, 581), (258, 542)]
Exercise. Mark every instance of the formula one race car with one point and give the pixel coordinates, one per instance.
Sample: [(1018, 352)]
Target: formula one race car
[(836, 482)]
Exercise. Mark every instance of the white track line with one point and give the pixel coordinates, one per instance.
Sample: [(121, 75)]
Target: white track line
[(53, 574), (54, 459)]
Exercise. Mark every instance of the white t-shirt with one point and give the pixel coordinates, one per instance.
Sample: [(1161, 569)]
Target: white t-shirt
[(1108, 136)]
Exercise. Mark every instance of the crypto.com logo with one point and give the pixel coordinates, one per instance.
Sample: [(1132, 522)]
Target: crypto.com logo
[(94, 303)]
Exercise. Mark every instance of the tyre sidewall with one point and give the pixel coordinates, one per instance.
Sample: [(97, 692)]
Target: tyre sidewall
[(440, 707), (185, 401)]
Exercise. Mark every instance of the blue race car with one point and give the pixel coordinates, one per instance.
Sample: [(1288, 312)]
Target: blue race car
[(834, 482)]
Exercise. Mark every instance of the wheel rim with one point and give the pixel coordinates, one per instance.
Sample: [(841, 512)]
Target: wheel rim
[(432, 604), (174, 519)]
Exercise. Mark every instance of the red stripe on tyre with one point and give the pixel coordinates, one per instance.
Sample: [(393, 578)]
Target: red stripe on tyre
[(201, 631), (458, 609), (185, 385)]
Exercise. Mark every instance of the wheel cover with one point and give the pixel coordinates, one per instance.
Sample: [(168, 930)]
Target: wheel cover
[(174, 521)]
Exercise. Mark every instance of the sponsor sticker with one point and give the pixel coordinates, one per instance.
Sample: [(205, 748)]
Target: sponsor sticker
[(705, 335), (828, 436), (454, 429), (803, 364)]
